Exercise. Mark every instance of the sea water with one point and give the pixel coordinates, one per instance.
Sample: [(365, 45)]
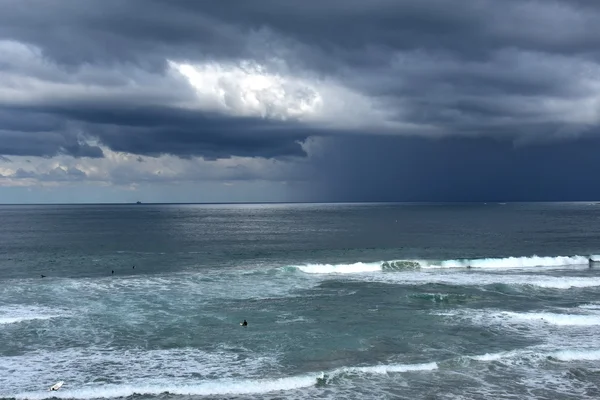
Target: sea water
[(346, 301)]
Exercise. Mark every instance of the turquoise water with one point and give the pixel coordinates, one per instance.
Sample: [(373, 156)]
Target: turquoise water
[(343, 301)]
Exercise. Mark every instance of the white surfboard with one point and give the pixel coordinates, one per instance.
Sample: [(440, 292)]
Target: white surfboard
[(57, 385)]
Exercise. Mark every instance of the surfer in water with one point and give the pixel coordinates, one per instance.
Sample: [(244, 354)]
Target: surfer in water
[(244, 323), (590, 262)]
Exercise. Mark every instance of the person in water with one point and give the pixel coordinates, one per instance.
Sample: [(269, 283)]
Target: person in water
[(244, 323)]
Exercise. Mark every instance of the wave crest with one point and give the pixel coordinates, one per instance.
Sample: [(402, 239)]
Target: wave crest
[(222, 387), (515, 262), (487, 263)]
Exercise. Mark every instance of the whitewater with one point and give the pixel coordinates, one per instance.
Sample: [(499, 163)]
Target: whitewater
[(403, 301)]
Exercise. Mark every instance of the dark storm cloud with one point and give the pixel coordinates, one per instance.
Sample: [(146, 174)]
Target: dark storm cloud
[(218, 140), (153, 131), (27, 133), (45, 144), (28, 121), (113, 31), (455, 169), (516, 69)]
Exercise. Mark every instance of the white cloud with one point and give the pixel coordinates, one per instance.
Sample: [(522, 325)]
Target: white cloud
[(271, 90), (125, 169), (248, 90)]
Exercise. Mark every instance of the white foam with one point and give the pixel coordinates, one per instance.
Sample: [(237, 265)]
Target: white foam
[(483, 279), (576, 355), (79, 366), (14, 320), (500, 355), (566, 282), (214, 388), (505, 318), (299, 319), (530, 370), (385, 369), (555, 319), (591, 306), (13, 314), (219, 387), (489, 357), (189, 288), (482, 263), (340, 268), (515, 262), (541, 354)]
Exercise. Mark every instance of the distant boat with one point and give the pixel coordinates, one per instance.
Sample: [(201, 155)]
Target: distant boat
[(139, 202)]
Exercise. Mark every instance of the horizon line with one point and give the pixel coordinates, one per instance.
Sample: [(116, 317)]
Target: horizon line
[(595, 202)]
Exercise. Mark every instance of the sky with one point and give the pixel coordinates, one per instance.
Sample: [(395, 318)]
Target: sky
[(274, 100)]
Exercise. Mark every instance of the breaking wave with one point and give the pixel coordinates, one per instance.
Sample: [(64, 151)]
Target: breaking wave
[(516, 262), (514, 320), (554, 319), (487, 263), (340, 268), (236, 386), (384, 369), (541, 355), (576, 355), (222, 387), (217, 388)]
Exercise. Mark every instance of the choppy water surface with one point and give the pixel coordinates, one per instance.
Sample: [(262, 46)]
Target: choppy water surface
[(342, 301)]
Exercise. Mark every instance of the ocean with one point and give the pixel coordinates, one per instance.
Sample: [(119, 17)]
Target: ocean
[(343, 301)]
